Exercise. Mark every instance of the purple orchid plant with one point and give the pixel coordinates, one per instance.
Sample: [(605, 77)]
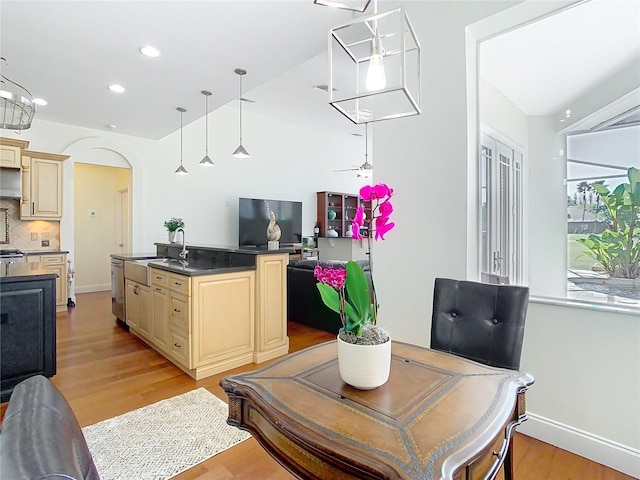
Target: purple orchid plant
[(346, 290)]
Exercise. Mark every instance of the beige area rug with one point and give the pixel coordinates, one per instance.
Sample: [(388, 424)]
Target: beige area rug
[(162, 440)]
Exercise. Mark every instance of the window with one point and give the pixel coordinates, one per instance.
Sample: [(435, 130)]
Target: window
[(501, 211), (599, 157)]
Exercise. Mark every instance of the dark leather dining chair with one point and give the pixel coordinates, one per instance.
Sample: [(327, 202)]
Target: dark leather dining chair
[(482, 322)]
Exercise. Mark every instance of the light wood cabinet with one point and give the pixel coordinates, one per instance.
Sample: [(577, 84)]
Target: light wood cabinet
[(223, 321), (160, 305), (11, 152), (41, 186), (336, 212), (56, 262), (138, 307), (211, 323), (271, 308)]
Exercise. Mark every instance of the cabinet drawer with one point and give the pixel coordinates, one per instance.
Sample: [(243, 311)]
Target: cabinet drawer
[(180, 283), (33, 258), (179, 312), (179, 346), (158, 277), (489, 460), (52, 259)]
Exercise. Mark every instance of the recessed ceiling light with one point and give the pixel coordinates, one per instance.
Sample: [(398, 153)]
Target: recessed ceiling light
[(40, 101), (149, 51), (111, 126), (116, 88)]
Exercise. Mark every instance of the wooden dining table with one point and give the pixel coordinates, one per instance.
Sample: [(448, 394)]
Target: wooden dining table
[(439, 416)]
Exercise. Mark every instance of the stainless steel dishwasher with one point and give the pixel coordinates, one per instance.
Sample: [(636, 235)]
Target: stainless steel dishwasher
[(117, 289)]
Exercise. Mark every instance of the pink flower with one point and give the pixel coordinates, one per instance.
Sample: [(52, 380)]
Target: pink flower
[(376, 192), (334, 277), (357, 223), (382, 227)]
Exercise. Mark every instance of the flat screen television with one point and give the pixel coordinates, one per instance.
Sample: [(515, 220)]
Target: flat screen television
[(253, 219)]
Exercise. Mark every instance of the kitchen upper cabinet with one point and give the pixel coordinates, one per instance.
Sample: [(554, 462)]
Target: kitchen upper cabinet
[(11, 152), (41, 186)]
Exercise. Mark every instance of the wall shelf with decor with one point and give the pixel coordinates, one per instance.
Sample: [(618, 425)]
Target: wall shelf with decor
[(336, 211)]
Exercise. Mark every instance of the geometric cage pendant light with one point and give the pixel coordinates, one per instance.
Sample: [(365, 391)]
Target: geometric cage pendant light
[(240, 151), (355, 5), (375, 67), (181, 170), (16, 109), (206, 161)]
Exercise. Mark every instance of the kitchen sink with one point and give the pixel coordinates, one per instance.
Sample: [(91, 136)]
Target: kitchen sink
[(177, 264), (138, 271)]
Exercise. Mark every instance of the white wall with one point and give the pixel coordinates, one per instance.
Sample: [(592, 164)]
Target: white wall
[(547, 214), (580, 358)]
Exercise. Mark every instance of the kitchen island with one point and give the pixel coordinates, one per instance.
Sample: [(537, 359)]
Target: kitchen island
[(221, 308), (28, 324)]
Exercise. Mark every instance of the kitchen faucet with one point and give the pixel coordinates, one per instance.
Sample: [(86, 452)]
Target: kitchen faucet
[(183, 253)]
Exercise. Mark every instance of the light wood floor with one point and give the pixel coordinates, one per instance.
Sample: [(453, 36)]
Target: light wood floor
[(104, 371)]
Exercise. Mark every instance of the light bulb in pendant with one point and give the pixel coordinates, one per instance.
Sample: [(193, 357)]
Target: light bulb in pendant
[(376, 78)]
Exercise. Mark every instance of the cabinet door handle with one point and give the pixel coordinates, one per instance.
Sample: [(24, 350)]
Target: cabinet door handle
[(177, 284), (33, 208), (177, 345), (176, 310), (158, 289), (135, 290)]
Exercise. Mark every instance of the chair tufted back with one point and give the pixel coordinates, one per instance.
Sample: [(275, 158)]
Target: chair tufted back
[(479, 321)]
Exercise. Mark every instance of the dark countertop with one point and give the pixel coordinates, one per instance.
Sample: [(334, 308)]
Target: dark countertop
[(175, 266), (230, 248), (43, 252), (133, 256), (18, 272)]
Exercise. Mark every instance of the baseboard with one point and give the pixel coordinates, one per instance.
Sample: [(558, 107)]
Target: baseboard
[(601, 450), (92, 288)]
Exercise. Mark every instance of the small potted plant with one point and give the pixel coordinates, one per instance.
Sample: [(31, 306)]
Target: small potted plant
[(364, 348), (172, 225)]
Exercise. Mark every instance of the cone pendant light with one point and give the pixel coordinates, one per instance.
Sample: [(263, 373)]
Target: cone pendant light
[(181, 170), (240, 151), (206, 161)]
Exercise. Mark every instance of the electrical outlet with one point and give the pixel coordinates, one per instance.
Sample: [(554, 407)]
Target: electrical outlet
[(92, 213), (45, 243), (34, 236)]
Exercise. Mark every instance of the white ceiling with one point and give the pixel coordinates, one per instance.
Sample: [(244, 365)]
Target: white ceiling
[(544, 66), (69, 51)]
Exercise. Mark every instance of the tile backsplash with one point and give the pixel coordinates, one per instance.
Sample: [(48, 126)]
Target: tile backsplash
[(29, 234)]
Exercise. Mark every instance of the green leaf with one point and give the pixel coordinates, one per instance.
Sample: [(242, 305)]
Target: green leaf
[(329, 296), (358, 291), (600, 189)]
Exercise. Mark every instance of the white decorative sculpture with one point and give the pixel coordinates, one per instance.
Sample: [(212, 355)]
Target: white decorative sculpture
[(273, 233)]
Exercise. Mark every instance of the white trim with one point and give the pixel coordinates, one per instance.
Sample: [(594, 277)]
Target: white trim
[(571, 302), (598, 449), (93, 288)]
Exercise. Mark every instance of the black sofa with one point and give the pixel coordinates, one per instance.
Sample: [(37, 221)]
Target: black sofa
[(40, 436), (304, 304)]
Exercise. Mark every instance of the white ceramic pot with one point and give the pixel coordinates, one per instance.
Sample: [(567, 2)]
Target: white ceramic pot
[(172, 237), (364, 367)]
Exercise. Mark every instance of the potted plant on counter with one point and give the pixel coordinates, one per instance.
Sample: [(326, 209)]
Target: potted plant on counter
[(172, 225), (364, 348)]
